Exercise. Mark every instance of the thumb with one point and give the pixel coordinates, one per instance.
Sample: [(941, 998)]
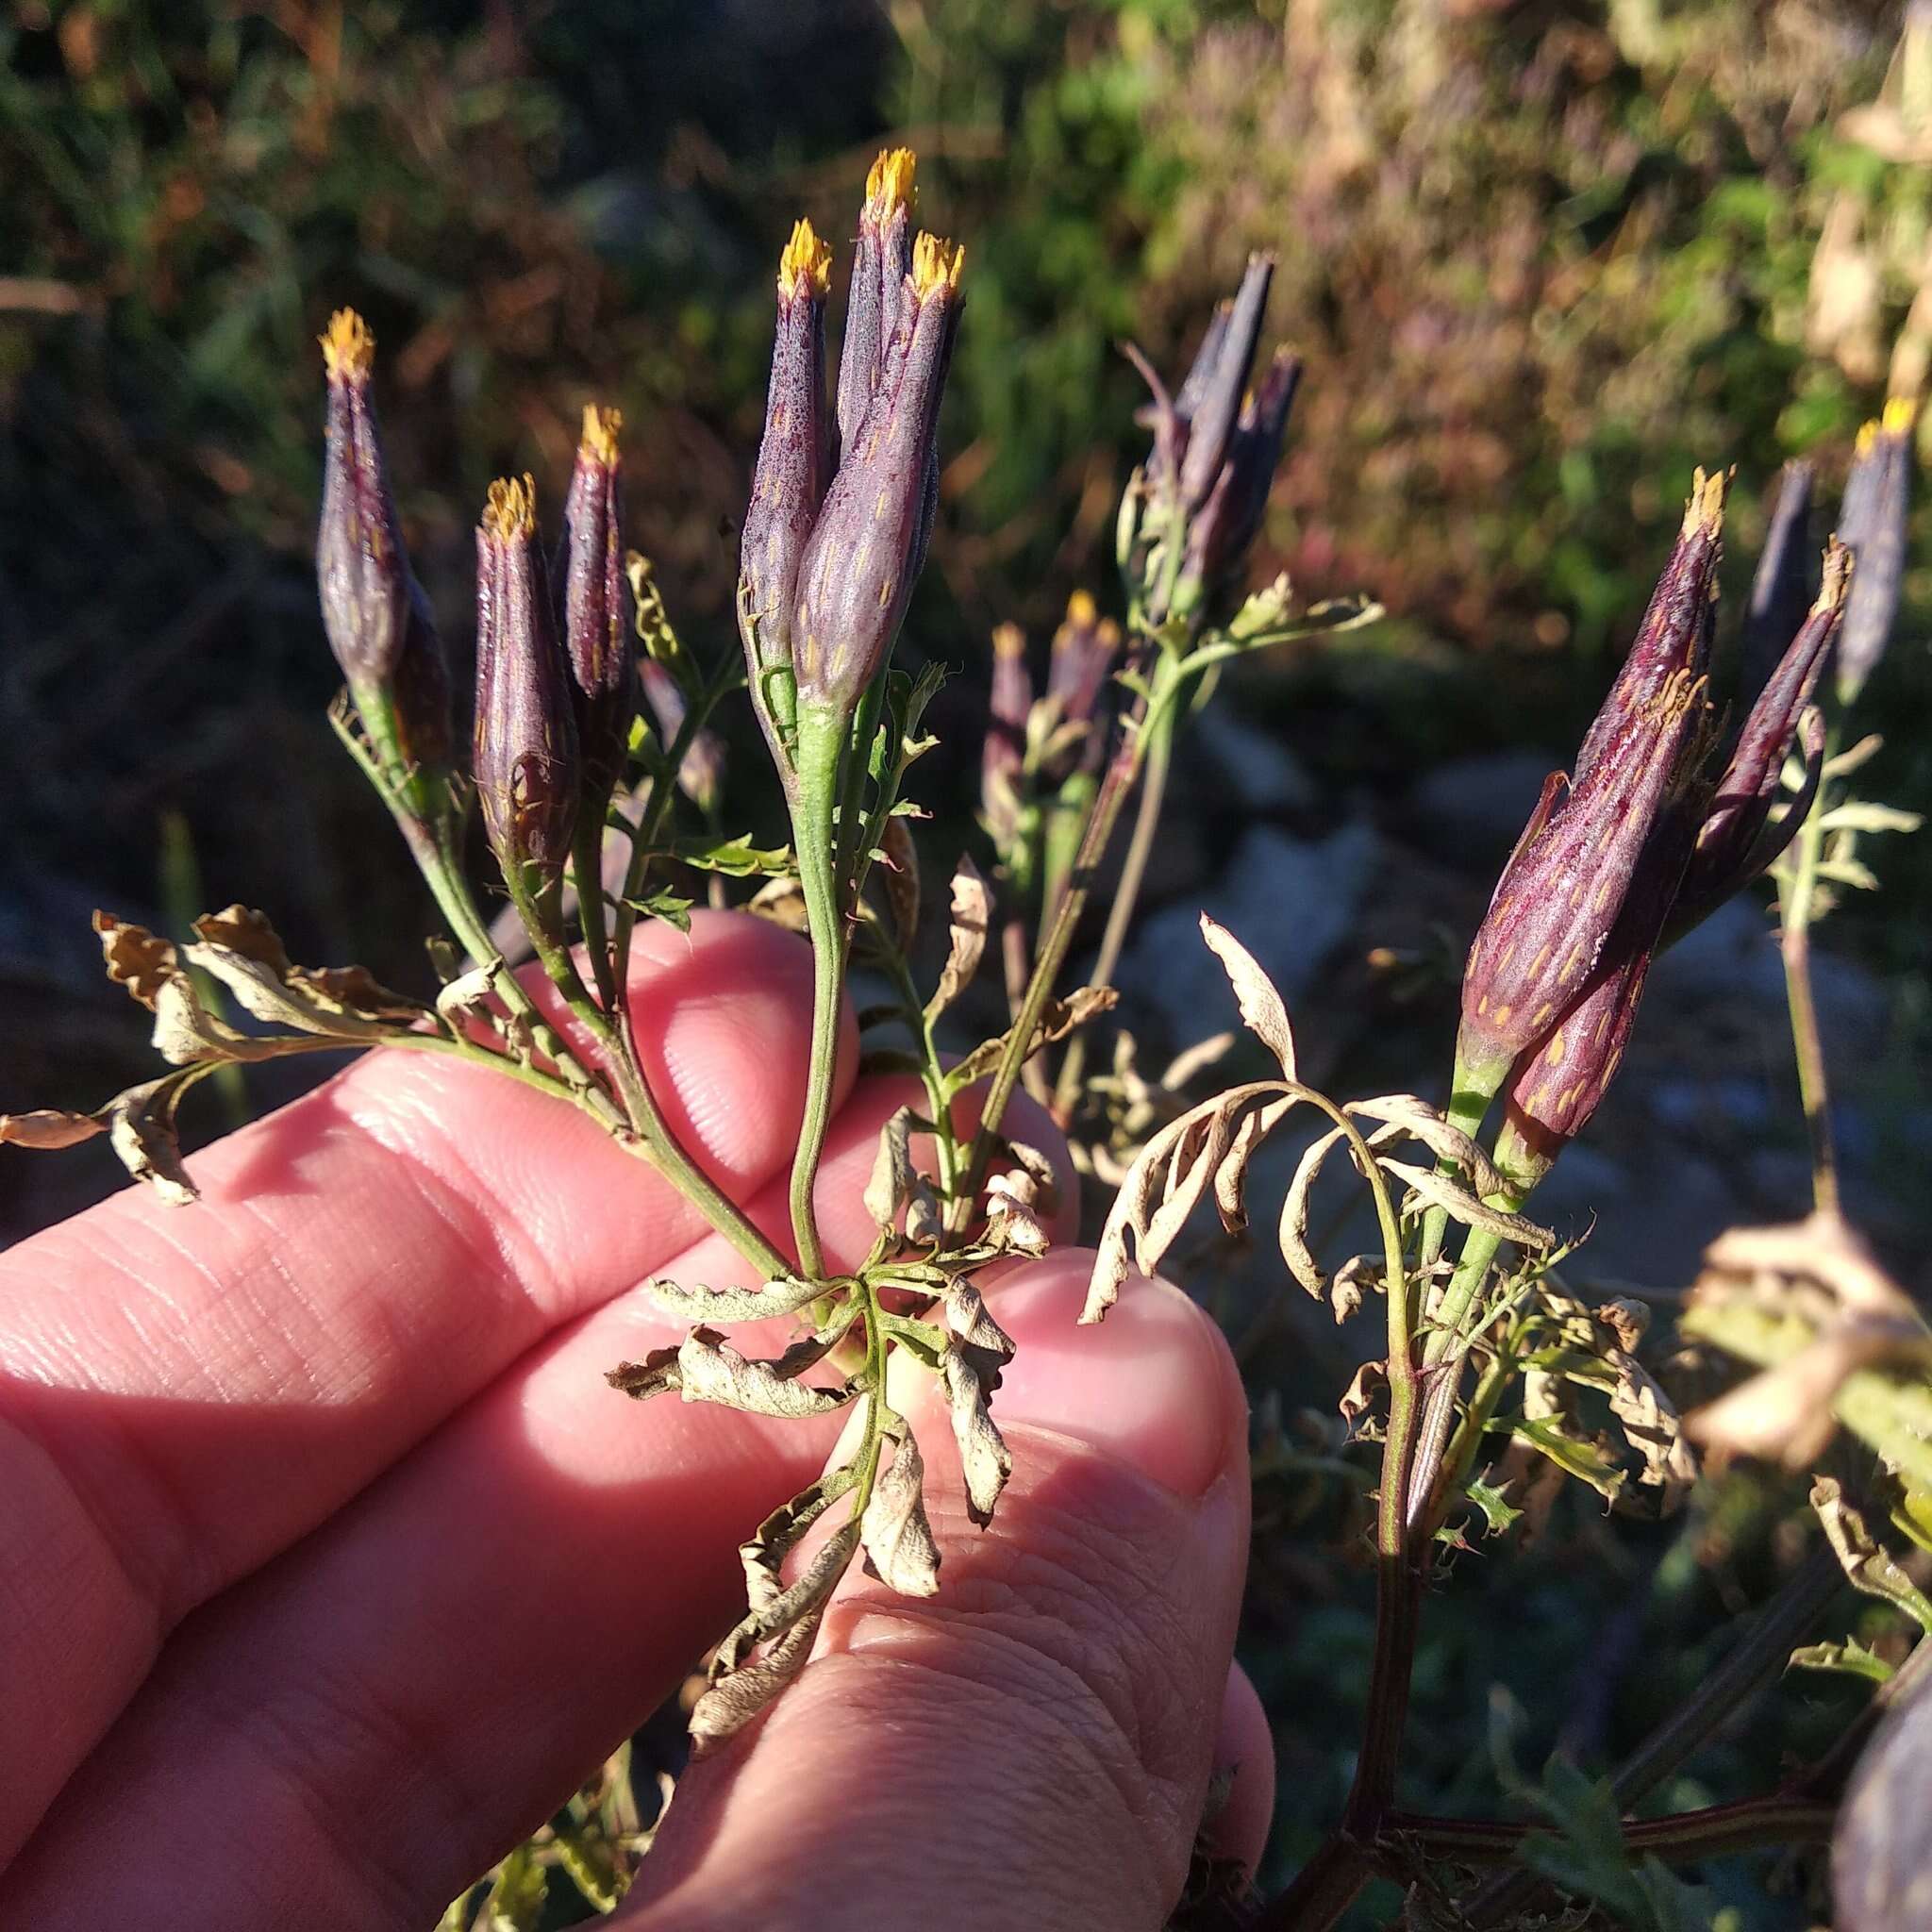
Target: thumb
[(1031, 1747)]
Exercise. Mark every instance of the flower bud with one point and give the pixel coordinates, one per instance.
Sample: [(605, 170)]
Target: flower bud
[(1210, 398), (701, 774), (360, 567), (1225, 525), (880, 264), (527, 763), (1562, 894), (1872, 524), (795, 461), (596, 610), (1784, 581), (865, 549), (419, 691), (1003, 757), (1084, 649), (1737, 839)]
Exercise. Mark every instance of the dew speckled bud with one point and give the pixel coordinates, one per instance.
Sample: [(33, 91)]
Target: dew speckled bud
[(880, 263), (866, 547), (1737, 839), (526, 764), (360, 567), (596, 607), (1003, 756), (1784, 581), (1872, 524), (1562, 892), (795, 461), (1224, 527)]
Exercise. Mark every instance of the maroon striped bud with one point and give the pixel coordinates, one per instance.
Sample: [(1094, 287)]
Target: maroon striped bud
[(1227, 524), (795, 462), (526, 763), (880, 263), (1562, 892), (865, 549), (1737, 838), (1003, 756), (1084, 650), (1210, 398), (596, 608), (1872, 524), (360, 567)]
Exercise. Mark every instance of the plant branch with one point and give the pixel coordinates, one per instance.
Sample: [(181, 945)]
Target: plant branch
[(1797, 900)]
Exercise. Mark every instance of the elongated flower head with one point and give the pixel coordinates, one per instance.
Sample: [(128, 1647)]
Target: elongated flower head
[(1210, 398), (867, 546), (1558, 899), (1784, 581), (1224, 529), (880, 263), (1871, 523), (526, 763), (795, 461), (596, 607), (1084, 649), (701, 771), (1002, 755)]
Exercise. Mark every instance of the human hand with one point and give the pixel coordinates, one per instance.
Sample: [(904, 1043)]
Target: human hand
[(328, 1563)]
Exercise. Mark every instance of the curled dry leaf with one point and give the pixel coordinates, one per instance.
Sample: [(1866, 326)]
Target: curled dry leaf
[(1420, 1122), (968, 1320), (972, 913), (984, 1456), (1013, 1226), (136, 957), (897, 1187), (1294, 1233), (781, 901), (1057, 1019), (899, 1546), (704, 1367), (1653, 1427), (1439, 1191), (141, 1131), (1359, 1397), (1867, 1566), (1262, 1005), (899, 868), (733, 1303)]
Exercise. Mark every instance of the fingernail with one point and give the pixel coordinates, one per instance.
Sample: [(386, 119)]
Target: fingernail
[(1153, 1385)]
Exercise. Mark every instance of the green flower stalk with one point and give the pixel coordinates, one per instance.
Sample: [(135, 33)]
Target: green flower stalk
[(527, 768), (374, 613), (1563, 888)]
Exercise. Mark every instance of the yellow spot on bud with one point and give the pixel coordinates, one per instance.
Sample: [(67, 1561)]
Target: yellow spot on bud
[(885, 593), (1542, 1013), (1557, 1047), (805, 269), (510, 511), (881, 507), (348, 348), (1706, 509), (1109, 635), (1081, 610), (935, 266), (1009, 640), (601, 427), (1482, 1006), (889, 184), (1503, 1015), (1900, 412)]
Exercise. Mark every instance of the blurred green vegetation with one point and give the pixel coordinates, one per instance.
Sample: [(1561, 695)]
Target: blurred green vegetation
[(1540, 257)]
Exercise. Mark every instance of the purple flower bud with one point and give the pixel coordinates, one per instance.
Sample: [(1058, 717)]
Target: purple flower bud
[(1084, 650), (1872, 524), (701, 775), (880, 264), (360, 567), (526, 764), (1210, 398), (1563, 889), (1003, 756), (596, 608), (419, 690), (1737, 840), (795, 461), (1784, 581), (864, 551), (1226, 526)]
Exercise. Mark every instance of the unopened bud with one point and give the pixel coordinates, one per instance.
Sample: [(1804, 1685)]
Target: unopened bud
[(1784, 581), (527, 763), (880, 263), (1210, 398), (1003, 756), (597, 613), (1872, 524), (795, 462), (1084, 650), (701, 771), (1226, 526), (867, 545)]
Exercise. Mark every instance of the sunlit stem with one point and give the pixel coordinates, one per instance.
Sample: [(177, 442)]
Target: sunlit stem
[(1797, 899)]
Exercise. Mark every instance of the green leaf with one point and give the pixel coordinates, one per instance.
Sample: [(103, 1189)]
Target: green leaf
[(1586, 1857), (737, 859), (671, 906), (1571, 1454), (1854, 815), (1498, 1511), (1851, 1657), (517, 1895)]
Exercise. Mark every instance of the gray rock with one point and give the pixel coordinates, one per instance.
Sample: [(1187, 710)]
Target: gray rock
[(1475, 807), (1261, 773)]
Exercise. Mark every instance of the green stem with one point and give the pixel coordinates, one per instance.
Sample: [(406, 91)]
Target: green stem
[(1797, 899), (1158, 761), (586, 861), (1478, 1251), (822, 737)]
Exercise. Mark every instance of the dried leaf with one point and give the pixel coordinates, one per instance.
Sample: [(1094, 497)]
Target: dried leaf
[(898, 1539), (1262, 1007), (1359, 1397), (733, 1303), (968, 1318), (1422, 1122), (141, 1129), (1012, 1224), (983, 1453), (1231, 1176), (1295, 1215), (899, 866), (897, 1187), (710, 1370), (655, 1375), (782, 901), (971, 912), (48, 1127), (1653, 1427), (136, 959), (1441, 1192), (1057, 1019)]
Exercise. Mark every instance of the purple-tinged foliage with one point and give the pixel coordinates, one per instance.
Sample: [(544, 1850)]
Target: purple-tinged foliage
[(795, 459), (596, 607), (1872, 524), (527, 763)]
